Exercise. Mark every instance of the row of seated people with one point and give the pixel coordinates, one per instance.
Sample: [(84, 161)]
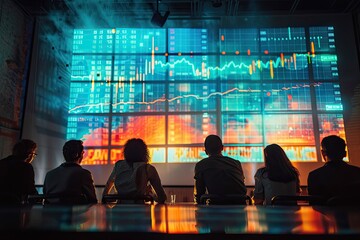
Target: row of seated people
[(218, 179)]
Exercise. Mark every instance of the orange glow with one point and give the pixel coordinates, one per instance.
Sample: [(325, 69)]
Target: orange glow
[(222, 38), (271, 69), (248, 52), (266, 52), (282, 59), (312, 47), (223, 52), (237, 52)]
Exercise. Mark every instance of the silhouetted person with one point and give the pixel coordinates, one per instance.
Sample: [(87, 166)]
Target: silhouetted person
[(217, 174), (134, 176), (17, 173), (278, 177), (336, 177), (72, 183)]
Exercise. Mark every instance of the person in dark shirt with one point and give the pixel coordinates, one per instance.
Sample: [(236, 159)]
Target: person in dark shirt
[(336, 177), (218, 174), (72, 183), (17, 173)]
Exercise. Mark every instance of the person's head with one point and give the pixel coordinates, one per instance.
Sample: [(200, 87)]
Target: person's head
[(136, 150), (333, 148), (73, 150), (213, 145), (25, 149), (278, 165)]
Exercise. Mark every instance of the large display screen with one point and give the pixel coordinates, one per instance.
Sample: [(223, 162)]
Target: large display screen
[(173, 87)]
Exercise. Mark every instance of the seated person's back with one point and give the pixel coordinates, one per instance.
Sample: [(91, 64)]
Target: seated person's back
[(218, 174), (70, 182), (17, 174), (336, 177), (135, 177), (278, 177)]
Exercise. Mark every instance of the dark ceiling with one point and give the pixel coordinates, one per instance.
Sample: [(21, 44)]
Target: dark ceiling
[(195, 8)]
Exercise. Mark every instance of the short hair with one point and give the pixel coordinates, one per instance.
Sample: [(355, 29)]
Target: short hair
[(23, 148), (213, 144), (72, 150), (334, 146), (136, 150)]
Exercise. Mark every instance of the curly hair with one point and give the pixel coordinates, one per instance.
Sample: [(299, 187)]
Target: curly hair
[(136, 150)]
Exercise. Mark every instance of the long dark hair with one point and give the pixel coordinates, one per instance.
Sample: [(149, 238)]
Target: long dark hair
[(278, 165), (136, 150)]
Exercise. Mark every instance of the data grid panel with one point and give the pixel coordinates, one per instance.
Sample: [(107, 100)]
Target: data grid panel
[(92, 130), (91, 67), (240, 96), (289, 129), (186, 97), (190, 129), (138, 96), (188, 40), (89, 97), (286, 96), (150, 128), (283, 40), (241, 128), (328, 97), (239, 67), (243, 41), (139, 68), (93, 41), (187, 67), (140, 40)]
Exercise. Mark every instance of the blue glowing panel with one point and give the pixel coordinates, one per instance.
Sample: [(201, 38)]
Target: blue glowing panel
[(244, 154), (331, 124), (89, 97), (287, 96), (285, 67), (282, 40), (188, 40), (150, 128), (239, 41), (139, 68), (138, 96), (92, 130), (93, 40), (322, 39), (187, 97), (325, 67), (192, 68), (91, 67), (185, 154), (173, 87), (328, 96), (237, 67), (289, 129), (140, 40), (241, 128), (190, 129), (238, 96)]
